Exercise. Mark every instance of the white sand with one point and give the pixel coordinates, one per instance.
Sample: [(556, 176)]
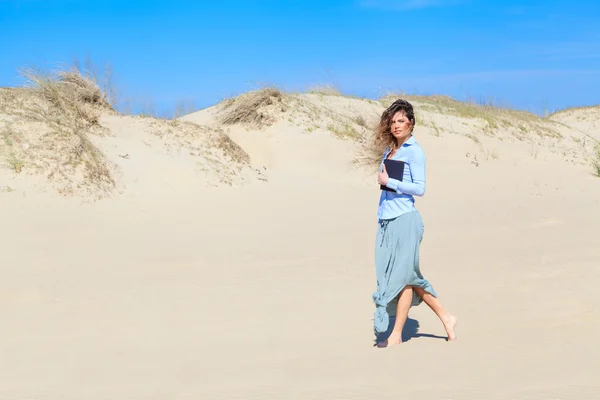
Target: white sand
[(262, 290)]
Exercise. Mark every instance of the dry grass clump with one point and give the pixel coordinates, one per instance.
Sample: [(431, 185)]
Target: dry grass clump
[(231, 148), (52, 119), (68, 94), (9, 158), (255, 109), (361, 121), (15, 163)]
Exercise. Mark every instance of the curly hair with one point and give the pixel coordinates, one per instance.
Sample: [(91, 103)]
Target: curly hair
[(383, 134)]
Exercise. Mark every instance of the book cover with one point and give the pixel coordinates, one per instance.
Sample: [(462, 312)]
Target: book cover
[(395, 169)]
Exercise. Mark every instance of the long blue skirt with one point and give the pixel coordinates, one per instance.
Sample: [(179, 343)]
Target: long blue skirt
[(397, 264)]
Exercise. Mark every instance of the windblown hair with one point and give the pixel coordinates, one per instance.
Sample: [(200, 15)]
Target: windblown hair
[(383, 135)]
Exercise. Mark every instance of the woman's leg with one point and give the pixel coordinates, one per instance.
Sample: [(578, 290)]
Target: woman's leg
[(404, 302), (447, 319)]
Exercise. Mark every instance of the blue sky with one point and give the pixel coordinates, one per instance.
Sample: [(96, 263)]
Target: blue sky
[(529, 54)]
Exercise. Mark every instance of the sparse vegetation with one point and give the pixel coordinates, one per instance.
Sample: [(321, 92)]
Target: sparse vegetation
[(14, 162), (64, 106), (327, 90), (254, 108), (67, 95), (231, 148), (490, 112), (490, 153), (8, 99), (361, 121), (262, 108), (596, 161), (72, 103), (183, 107), (522, 128), (345, 131), (7, 151), (533, 149), (8, 136), (435, 127), (62, 109), (572, 109), (217, 154), (473, 137)]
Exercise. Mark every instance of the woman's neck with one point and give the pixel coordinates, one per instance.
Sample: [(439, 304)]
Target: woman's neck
[(398, 144)]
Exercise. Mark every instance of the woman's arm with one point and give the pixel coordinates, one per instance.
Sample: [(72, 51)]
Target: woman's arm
[(417, 171)]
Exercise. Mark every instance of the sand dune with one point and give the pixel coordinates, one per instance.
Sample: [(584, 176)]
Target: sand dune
[(585, 120), (236, 260)]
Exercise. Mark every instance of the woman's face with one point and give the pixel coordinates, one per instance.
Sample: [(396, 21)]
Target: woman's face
[(401, 127)]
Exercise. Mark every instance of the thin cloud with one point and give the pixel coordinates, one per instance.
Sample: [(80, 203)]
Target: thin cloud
[(406, 4)]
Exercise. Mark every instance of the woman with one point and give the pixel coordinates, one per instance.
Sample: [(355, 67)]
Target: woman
[(401, 228)]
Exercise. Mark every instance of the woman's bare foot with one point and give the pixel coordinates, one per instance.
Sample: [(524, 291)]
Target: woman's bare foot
[(449, 324), (447, 319), (393, 340)]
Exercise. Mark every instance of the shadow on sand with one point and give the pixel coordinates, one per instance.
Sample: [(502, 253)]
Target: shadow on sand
[(410, 331)]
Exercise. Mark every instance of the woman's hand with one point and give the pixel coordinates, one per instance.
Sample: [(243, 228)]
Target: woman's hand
[(383, 177)]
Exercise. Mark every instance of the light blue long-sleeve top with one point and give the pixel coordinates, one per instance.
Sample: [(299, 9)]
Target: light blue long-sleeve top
[(394, 204)]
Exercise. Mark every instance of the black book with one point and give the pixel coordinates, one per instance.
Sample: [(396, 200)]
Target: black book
[(395, 169)]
